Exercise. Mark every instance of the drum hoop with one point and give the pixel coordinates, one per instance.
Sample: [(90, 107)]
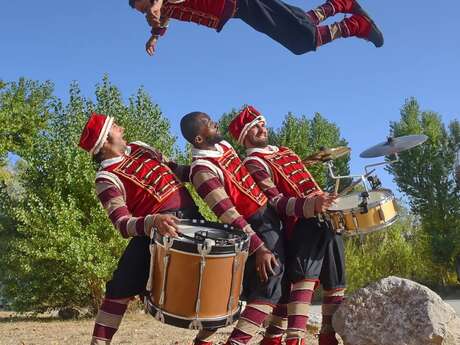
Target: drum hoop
[(217, 318), (215, 322), (215, 225), (240, 243), (388, 198), (371, 229)]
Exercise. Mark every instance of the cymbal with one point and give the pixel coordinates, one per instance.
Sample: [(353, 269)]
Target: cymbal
[(327, 154), (394, 145)]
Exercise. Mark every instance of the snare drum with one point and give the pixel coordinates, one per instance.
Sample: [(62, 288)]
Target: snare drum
[(350, 216), (195, 280)]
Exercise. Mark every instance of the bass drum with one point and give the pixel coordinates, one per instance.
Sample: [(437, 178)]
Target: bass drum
[(195, 280)]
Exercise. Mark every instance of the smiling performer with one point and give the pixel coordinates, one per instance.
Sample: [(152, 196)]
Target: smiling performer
[(294, 28), (225, 185), (314, 252), (140, 189)]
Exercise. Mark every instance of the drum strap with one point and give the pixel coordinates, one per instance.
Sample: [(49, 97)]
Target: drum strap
[(152, 248), (237, 261), (168, 242)]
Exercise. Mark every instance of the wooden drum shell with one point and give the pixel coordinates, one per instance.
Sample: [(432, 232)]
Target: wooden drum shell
[(182, 283)]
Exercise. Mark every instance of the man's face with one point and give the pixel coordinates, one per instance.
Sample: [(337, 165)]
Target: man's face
[(257, 136), (209, 133), (115, 138), (142, 5)]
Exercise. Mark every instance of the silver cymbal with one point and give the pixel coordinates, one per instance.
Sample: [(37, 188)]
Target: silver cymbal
[(394, 145)]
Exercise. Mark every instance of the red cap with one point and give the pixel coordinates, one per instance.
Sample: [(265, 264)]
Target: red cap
[(243, 122), (95, 133)]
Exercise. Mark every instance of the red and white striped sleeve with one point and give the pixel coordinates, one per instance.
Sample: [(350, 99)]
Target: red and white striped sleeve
[(113, 201), (211, 189), (285, 206)]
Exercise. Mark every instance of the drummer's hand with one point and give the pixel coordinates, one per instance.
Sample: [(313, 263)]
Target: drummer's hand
[(150, 45), (324, 201), (265, 262), (166, 225)]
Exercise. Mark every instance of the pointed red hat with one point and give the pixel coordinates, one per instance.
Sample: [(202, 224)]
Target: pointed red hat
[(243, 122), (95, 133)]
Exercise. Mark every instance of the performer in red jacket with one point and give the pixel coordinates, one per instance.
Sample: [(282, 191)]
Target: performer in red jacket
[(220, 178), (314, 253), (297, 30), (140, 189)]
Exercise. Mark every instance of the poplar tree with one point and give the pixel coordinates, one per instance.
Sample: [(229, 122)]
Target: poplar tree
[(426, 175)]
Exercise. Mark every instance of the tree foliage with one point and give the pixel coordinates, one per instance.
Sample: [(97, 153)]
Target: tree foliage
[(62, 247), (403, 250), (425, 175), (24, 109)]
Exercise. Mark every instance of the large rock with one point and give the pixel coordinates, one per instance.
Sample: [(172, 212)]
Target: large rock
[(397, 311)]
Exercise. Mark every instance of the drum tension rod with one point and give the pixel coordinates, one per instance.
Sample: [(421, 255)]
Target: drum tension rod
[(363, 204)]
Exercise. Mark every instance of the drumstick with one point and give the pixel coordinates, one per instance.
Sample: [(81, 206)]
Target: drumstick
[(354, 184)]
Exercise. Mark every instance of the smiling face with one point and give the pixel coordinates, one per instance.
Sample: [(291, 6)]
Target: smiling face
[(257, 136)]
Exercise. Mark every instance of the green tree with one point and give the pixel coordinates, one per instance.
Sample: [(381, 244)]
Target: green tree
[(62, 247), (425, 175), (24, 108)]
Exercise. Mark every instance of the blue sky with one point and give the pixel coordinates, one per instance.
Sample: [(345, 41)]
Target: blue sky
[(350, 82)]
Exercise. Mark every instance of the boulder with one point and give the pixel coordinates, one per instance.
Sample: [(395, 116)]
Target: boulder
[(396, 311)]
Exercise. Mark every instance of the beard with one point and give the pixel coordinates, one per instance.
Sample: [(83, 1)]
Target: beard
[(214, 139), (259, 142)]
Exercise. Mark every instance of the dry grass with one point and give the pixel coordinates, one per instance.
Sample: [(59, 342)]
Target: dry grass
[(136, 328)]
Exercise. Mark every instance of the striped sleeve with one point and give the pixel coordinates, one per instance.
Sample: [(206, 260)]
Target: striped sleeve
[(164, 22), (113, 201), (285, 206), (209, 186)]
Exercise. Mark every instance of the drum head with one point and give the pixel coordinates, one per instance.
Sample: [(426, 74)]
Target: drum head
[(223, 238), (193, 233), (351, 201)]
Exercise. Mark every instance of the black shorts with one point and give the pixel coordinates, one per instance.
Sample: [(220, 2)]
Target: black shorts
[(132, 273), (316, 252), (267, 226)]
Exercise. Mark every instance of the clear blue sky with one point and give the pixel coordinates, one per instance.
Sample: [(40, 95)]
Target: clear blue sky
[(350, 82)]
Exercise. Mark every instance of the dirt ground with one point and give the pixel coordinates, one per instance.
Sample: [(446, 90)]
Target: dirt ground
[(136, 328)]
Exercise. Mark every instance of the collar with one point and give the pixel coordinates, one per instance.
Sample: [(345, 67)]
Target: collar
[(269, 149), (218, 152), (111, 161)]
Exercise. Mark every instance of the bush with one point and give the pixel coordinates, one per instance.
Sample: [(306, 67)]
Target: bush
[(402, 249)]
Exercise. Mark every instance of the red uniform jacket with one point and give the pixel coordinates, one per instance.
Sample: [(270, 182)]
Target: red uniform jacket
[(289, 175), (147, 182)]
